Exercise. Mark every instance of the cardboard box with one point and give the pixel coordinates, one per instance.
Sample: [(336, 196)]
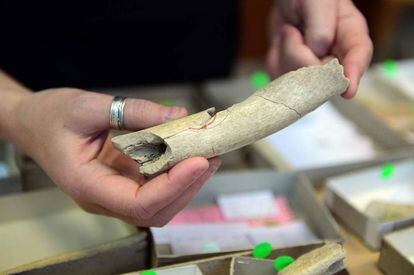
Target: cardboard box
[(399, 78), (384, 106), (348, 196), (32, 175), (46, 232), (389, 144), (397, 252), (239, 263), (10, 178), (296, 188)]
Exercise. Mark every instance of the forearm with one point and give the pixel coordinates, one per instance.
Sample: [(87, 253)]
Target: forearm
[(11, 93)]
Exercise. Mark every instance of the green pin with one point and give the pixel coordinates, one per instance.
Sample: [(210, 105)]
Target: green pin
[(148, 272), (390, 68), (259, 79), (282, 262), (166, 102), (387, 171), (262, 250)]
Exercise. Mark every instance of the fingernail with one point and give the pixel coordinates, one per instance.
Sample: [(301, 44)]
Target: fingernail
[(199, 173), (214, 165), (213, 169), (320, 47), (172, 113)]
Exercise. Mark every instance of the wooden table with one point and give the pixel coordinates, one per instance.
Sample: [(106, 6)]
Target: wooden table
[(360, 260)]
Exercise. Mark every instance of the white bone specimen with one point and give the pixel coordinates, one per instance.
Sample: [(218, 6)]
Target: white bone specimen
[(384, 211), (325, 260), (209, 134)]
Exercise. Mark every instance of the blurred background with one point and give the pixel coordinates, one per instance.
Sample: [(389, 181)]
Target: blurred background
[(105, 43)]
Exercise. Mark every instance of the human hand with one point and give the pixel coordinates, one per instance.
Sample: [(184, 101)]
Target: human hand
[(310, 32), (67, 132)]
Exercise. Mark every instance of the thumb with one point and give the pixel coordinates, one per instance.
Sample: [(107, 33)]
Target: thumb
[(92, 110), (139, 114)]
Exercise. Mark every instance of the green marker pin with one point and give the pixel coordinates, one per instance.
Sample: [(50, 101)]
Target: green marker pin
[(259, 79), (282, 262), (148, 272), (390, 68), (166, 102), (387, 171), (262, 250)]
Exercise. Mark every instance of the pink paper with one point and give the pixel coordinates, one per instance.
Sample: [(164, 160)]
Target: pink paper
[(212, 214), (284, 215), (208, 214)]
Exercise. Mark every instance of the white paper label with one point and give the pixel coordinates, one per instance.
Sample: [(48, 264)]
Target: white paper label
[(256, 204)]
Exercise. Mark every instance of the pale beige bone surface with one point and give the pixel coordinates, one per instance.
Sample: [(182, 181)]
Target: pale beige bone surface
[(325, 260), (384, 211), (210, 134)]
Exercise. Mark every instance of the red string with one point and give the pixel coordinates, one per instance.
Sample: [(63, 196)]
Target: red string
[(209, 122)]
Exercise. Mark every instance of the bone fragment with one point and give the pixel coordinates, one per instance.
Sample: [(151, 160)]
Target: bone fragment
[(384, 211), (209, 134), (325, 260)]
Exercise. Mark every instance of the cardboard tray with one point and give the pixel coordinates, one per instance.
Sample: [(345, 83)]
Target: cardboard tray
[(238, 263), (32, 175), (400, 80), (295, 187), (385, 106), (10, 182), (389, 144), (397, 252), (46, 232), (348, 195)]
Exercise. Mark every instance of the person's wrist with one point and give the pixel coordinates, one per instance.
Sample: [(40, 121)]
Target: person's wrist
[(9, 125)]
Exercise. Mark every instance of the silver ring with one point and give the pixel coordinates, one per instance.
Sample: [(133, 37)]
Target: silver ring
[(116, 113)]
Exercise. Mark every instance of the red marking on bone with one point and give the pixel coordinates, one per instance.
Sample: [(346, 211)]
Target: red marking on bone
[(209, 122)]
